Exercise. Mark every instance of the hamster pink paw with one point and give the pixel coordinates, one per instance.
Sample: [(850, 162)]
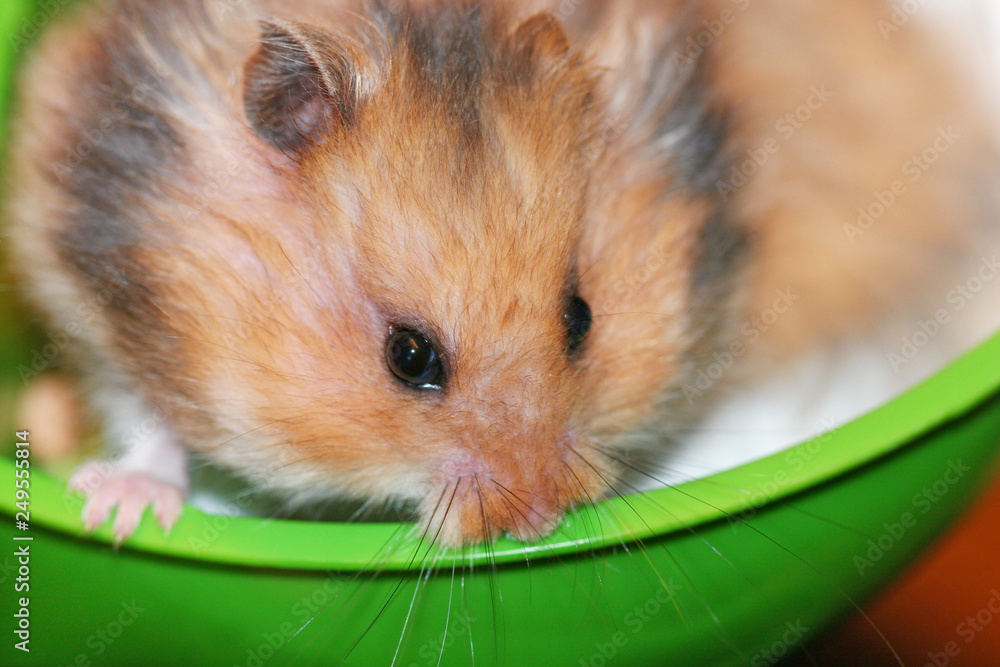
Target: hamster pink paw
[(131, 492)]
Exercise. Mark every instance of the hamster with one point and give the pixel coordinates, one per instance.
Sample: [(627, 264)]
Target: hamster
[(466, 255)]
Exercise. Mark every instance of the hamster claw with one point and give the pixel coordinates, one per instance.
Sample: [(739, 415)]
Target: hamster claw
[(128, 491)]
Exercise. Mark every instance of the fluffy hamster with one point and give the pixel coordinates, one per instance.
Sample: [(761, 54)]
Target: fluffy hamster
[(463, 254)]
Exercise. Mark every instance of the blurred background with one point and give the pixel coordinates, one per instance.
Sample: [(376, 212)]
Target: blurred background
[(948, 601)]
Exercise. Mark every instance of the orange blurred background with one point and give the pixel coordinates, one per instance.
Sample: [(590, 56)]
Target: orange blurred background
[(926, 613)]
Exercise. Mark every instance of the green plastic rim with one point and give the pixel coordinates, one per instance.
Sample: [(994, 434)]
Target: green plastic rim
[(274, 543)]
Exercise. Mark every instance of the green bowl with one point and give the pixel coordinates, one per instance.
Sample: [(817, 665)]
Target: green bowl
[(737, 568)]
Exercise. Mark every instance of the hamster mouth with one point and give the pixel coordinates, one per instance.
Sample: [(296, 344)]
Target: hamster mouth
[(475, 510), (477, 500)]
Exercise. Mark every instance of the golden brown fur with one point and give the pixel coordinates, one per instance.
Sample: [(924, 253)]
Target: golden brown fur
[(475, 165), (890, 96)]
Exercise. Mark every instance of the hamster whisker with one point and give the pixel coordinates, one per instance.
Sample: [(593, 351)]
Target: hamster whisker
[(743, 522), (631, 312), (447, 510), (708, 481), (640, 543), (424, 567), (589, 528), (590, 499), (295, 268), (511, 509), (370, 570), (244, 434), (447, 614), (510, 494), (491, 571), (639, 468)]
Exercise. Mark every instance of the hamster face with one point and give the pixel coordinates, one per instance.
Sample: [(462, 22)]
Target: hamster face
[(418, 283), (456, 200)]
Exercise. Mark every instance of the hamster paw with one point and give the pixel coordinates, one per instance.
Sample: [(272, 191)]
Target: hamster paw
[(131, 492)]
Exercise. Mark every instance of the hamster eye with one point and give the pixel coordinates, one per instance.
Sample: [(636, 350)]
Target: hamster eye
[(578, 319), (413, 359)]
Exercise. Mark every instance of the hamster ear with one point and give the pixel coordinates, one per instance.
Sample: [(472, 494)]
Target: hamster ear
[(295, 87), (540, 38)]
